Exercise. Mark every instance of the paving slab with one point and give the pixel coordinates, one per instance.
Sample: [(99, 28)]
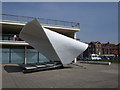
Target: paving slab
[(72, 76)]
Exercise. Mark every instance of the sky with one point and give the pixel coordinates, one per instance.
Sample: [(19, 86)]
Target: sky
[(98, 20)]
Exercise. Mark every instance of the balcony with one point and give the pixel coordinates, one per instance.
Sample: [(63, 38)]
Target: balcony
[(13, 24), (8, 39), (25, 19)]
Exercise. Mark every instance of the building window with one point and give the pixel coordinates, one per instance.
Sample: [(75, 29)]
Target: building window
[(5, 55), (32, 56), (17, 55), (42, 58), (0, 37), (10, 37)]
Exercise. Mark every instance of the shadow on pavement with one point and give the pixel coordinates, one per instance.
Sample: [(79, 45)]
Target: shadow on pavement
[(15, 68), (12, 68)]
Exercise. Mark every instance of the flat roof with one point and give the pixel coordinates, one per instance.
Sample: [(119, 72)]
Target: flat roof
[(24, 19), (8, 22), (16, 27)]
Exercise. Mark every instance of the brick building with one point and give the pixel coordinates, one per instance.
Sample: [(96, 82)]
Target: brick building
[(109, 49), (102, 49)]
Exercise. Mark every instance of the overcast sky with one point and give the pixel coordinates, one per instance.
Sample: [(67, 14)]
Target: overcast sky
[(98, 20)]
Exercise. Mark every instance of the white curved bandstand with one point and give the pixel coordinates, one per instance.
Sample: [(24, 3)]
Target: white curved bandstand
[(54, 46)]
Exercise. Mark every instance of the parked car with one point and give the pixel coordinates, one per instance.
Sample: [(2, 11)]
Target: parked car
[(95, 57)]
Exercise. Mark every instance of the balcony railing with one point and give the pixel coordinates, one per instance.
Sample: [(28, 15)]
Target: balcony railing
[(24, 19)]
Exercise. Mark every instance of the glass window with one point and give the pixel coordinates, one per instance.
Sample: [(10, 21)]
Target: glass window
[(32, 56), (5, 37), (42, 58), (5, 56), (0, 55), (17, 55), (10, 38), (0, 37)]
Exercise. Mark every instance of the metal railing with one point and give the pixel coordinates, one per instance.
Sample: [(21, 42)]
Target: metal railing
[(24, 19)]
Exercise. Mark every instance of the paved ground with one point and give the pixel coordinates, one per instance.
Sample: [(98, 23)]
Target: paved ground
[(94, 76)]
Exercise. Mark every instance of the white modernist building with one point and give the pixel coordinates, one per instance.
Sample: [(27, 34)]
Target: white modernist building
[(53, 40)]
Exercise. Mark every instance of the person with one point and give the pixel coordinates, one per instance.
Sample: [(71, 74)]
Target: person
[(15, 38)]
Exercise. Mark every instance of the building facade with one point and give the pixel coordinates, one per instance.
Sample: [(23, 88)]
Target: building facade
[(119, 49), (15, 50), (102, 49)]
